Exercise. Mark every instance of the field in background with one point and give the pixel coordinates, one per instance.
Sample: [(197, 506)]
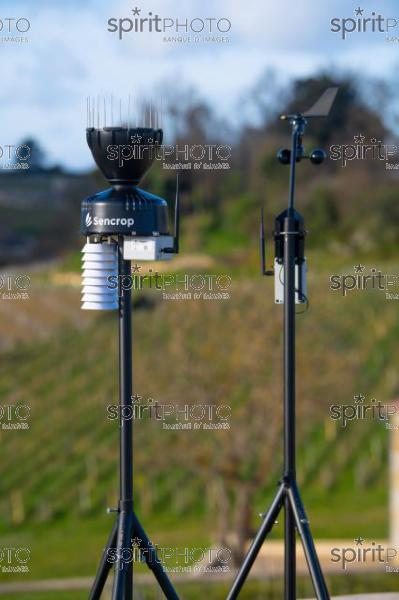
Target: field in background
[(202, 488), (60, 475)]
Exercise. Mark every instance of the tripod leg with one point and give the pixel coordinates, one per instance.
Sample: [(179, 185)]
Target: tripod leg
[(149, 552), (104, 567), (129, 582), (289, 552), (253, 552), (123, 567), (302, 524)]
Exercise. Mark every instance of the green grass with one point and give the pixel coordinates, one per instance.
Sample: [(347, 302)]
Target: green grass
[(253, 590), (75, 595), (60, 475)]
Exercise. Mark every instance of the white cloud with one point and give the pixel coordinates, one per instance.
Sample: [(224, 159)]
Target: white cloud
[(71, 56)]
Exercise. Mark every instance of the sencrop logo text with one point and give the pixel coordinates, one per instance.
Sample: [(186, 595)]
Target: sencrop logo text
[(365, 22), (113, 221), (185, 29), (14, 30)]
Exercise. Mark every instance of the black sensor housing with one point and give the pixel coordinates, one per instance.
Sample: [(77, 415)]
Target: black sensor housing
[(124, 155)]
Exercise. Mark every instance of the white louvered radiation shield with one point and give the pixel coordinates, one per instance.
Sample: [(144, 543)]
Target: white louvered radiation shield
[(99, 262)]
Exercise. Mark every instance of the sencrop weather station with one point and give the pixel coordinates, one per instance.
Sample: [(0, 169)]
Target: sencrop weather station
[(121, 224)]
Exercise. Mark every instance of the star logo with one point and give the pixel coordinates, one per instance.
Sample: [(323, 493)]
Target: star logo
[(136, 398), (359, 541), (359, 398), (359, 139), (359, 268), (359, 12), (136, 138), (136, 268), (136, 11)]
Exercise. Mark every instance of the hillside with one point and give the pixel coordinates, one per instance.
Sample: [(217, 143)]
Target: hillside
[(225, 352)]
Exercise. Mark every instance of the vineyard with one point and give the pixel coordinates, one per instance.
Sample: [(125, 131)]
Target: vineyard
[(62, 470)]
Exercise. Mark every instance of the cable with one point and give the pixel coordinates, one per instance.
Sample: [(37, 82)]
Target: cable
[(300, 294), (307, 303)]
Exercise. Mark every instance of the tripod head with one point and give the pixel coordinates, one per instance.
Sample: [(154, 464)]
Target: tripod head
[(298, 122)]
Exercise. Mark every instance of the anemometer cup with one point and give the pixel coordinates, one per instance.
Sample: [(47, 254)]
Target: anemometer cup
[(316, 157), (284, 156)]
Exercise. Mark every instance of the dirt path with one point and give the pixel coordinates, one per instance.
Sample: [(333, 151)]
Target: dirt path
[(269, 564)]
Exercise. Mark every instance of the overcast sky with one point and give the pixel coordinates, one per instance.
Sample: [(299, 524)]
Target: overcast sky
[(70, 55)]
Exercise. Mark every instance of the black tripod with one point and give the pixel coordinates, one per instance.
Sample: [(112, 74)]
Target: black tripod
[(289, 242), (119, 548), (121, 224)]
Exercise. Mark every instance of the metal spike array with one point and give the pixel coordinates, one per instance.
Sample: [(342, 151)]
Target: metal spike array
[(111, 111)]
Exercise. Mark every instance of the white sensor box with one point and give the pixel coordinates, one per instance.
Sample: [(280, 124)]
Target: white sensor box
[(300, 283), (148, 248)]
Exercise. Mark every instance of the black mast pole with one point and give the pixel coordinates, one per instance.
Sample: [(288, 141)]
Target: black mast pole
[(124, 568), (289, 377)]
